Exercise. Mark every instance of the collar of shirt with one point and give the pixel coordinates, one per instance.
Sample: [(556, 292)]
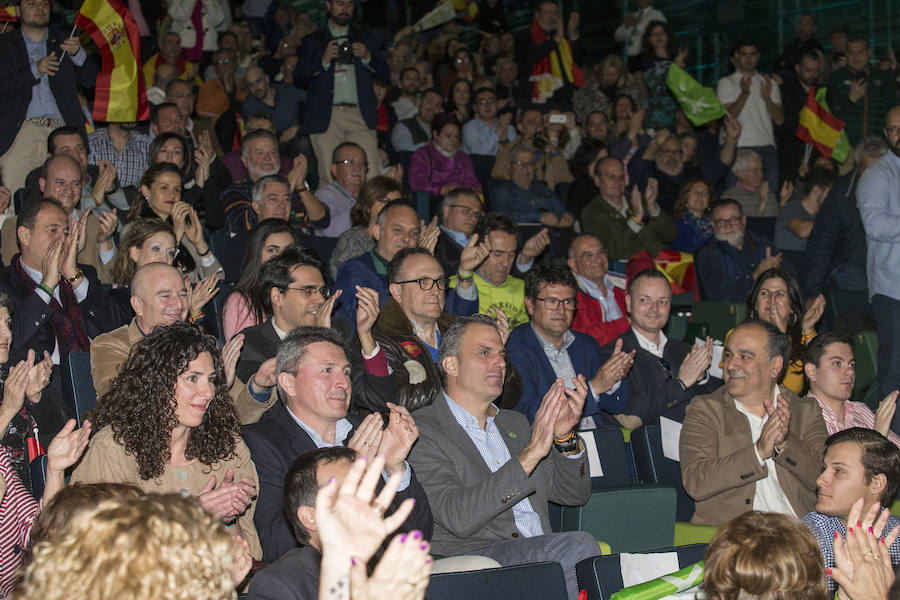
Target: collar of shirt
[(608, 301), (465, 418), (567, 340), (623, 210), (281, 334), (457, 236), (344, 191), (744, 410), (338, 32), (41, 43), (36, 275), (341, 431), (654, 349), (423, 335)]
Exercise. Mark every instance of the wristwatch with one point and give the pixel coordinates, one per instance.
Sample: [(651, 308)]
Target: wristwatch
[(570, 445)]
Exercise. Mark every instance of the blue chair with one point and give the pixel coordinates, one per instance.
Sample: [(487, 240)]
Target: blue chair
[(654, 467), (84, 395), (601, 576), (537, 581), (212, 313), (618, 502)]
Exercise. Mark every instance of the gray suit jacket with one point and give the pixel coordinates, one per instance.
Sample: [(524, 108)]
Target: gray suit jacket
[(472, 506)]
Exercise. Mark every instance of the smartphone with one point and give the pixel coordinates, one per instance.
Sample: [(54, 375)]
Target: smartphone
[(561, 119)]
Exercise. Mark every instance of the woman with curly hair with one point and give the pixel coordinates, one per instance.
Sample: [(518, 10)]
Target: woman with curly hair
[(692, 216), (245, 305), (155, 546), (167, 424)]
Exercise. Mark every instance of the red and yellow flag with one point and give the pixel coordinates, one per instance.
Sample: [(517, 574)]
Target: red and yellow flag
[(821, 129), (119, 94), (9, 14)]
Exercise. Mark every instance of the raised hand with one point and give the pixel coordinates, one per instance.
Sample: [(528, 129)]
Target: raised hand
[(398, 438), (695, 363), (775, 429), (428, 236), (243, 561), (108, 223), (535, 245), (367, 310), (71, 45), (323, 315), (202, 292), (50, 264), (231, 352), (815, 308), (228, 500), (48, 65), (614, 369), (787, 190), (367, 438), (39, 377), (571, 406), (402, 573), (543, 428), (15, 385), (473, 255), (652, 192), (67, 446), (885, 413), (5, 198), (637, 204), (858, 89), (502, 323), (863, 568)]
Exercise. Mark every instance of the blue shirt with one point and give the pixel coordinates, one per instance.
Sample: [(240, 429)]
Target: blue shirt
[(43, 104), (480, 138), (493, 450), (878, 198), (527, 206), (824, 526), (130, 164)]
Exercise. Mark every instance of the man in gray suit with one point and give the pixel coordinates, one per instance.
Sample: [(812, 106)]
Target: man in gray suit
[(487, 472)]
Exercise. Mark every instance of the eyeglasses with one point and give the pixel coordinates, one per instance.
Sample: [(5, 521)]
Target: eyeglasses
[(893, 130), (182, 96), (489, 100), (352, 163), (468, 211), (723, 222), (309, 290), (524, 163), (426, 283), (223, 61), (463, 60), (553, 303)]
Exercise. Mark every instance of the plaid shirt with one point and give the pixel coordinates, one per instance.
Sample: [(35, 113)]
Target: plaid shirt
[(856, 414), (130, 165), (823, 527)]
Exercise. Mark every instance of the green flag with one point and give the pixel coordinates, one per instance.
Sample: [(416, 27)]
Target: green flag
[(700, 104), (679, 582)]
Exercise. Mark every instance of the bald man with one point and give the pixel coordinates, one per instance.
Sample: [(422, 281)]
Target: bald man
[(159, 297)]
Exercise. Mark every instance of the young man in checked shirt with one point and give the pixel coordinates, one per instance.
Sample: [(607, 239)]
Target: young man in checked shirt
[(859, 463)]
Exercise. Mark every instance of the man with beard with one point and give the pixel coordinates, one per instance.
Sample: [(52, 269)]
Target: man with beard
[(731, 261), (878, 196), (794, 91), (407, 105), (38, 84), (124, 147), (338, 64), (259, 154), (283, 100)]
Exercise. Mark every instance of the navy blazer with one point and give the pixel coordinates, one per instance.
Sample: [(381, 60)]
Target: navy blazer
[(320, 81), (17, 81), (275, 441), (526, 352)]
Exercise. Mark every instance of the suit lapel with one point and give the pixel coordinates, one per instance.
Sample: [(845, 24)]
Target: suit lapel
[(459, 437)]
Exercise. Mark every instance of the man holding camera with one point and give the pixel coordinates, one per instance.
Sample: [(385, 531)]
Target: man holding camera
[(337, 64)]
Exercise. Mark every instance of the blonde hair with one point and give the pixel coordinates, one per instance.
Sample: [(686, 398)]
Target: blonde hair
[(765, 556), (163, 546)]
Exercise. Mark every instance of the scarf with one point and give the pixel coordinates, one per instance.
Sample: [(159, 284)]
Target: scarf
[(196, 53), (67, 320), (555, 69)]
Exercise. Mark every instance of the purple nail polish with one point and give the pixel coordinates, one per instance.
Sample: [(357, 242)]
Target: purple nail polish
[(352, 561), (417, 535), (423, 547), (403, 538), (331, 480), (429, 560)]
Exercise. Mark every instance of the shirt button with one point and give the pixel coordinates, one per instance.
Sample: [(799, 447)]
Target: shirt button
[(747, 501), (515, 534)]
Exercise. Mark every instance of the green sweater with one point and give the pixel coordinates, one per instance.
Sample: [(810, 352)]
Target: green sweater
[(508, 297)]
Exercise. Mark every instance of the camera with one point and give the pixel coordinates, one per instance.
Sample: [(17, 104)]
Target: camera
[(539, 142), (345, 52)]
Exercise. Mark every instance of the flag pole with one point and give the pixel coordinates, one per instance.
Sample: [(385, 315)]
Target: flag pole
[(74, 27), (5, 25)]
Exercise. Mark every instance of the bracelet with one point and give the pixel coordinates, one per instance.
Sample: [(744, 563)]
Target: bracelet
[(78, 274), (565, 439), (464, 278), (46, 288), (196, 317), (208, 250), (639, 222)]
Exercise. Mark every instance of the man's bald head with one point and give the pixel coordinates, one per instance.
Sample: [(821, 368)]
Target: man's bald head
[(158, 296), (892, 129), (62, 179)]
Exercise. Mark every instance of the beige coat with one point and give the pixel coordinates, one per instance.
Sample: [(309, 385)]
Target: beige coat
[(719, 467), (106, 461)]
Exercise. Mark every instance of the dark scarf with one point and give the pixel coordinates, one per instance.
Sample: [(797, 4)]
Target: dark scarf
[(67, 320)]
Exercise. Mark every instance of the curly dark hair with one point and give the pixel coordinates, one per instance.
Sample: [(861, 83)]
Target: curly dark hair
[(140, 404)]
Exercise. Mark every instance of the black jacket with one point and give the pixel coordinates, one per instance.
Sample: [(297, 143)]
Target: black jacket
[(17, 81)]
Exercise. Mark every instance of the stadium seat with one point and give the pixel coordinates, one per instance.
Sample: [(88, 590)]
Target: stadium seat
[(84, 395), (537, 581), (865, 352), (721, 317), (601, 576)]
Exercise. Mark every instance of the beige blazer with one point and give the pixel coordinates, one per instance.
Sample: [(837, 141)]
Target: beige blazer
[(719, 467)]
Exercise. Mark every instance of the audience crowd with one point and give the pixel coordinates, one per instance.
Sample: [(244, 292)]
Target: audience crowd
[(352, 292)]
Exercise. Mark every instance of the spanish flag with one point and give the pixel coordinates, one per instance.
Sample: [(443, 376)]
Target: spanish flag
[(119, 94), (821, 129), (9, 14)]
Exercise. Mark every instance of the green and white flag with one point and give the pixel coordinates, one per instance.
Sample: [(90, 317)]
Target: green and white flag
[(700, 104), (667, 586)]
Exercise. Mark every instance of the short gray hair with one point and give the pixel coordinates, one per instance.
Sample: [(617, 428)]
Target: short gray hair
[(521, 147), (260, 186), (451, 340), (743, 157), (293, 348), (871, 145), (451, 196)]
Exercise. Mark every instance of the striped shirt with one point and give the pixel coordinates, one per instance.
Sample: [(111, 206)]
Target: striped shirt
[(493, 450), (18, 511), (856, 414)]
